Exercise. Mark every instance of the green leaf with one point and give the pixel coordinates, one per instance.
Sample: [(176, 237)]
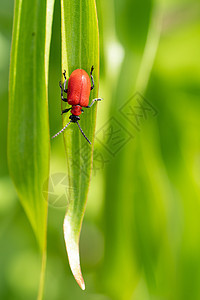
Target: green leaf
[(28, 127), (138, 29), (132, 23), (80, 50)]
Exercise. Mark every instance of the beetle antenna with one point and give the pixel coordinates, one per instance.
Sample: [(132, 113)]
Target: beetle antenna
[(61, 130), (83, 132)]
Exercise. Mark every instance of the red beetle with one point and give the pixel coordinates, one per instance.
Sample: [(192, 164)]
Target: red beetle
[(78, 93)]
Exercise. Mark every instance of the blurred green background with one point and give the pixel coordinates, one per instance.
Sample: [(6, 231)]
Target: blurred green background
[(141, 233)]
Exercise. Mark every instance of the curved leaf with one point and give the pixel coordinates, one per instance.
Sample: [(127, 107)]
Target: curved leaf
[(80, 49), (28, 127)]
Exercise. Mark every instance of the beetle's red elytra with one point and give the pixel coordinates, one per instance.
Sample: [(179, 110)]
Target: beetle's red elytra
[(79, 88), (78, 93)]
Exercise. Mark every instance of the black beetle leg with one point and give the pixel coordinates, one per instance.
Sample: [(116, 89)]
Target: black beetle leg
[(92, 78)]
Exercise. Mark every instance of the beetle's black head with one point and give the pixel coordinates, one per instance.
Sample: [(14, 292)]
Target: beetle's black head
[(74, 118)]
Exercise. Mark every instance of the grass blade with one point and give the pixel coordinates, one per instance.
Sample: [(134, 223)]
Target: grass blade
[(138, 29), (80, 49), (28, 127)]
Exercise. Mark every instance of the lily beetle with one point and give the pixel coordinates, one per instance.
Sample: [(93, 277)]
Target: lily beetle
[(78, 93)]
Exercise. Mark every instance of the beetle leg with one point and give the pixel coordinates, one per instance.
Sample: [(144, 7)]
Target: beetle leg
[(92, 78), (62, 97), (64, 74), (93, 101), (65, 110)]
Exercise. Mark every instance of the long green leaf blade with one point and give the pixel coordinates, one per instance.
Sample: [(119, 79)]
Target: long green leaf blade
[(28, 127), (80, 50)]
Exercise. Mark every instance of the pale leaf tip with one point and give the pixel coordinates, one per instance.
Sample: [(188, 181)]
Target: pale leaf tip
[(81, 283), (76, 270), (72, 247)]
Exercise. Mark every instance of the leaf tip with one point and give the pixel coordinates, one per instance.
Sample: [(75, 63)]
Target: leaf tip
[(72, 246), (81, 283)]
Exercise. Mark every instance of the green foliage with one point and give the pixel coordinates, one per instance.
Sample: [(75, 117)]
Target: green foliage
[(129, 17), (28, 130), (141, 235), (80, 50)]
